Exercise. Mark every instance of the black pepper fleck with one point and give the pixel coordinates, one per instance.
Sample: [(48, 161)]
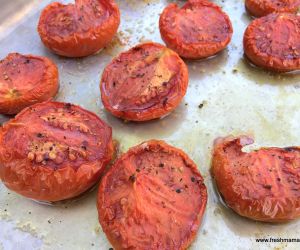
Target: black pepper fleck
[(132, 178)]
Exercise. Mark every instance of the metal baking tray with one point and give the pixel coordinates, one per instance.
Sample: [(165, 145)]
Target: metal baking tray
[(225, 96)]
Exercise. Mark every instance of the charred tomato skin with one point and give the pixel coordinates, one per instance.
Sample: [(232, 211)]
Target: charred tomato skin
[(26, 80), (198, 37), (141, 193), (54, 151), (79, 30), (144, 83), (263, 185), (259, 8), (282, 31)]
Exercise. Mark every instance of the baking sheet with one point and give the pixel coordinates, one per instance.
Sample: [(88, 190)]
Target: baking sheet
[(237, 99)]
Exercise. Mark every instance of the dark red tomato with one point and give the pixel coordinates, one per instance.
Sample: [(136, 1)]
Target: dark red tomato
[(54, 151), (273, 42), (26, 80), (262, 185), (144, 83), (259, 8), (197, 30), (81, 29), (153, 197)]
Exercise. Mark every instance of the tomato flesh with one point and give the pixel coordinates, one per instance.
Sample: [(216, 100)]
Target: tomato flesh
[(262, 185), (25, 80), (53, 151), (153, 197), (144, 83)]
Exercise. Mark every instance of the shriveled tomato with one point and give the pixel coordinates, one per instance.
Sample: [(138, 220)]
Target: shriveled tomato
[(262, 185), (273, 42), (144, 83), (153, 197), (259, 8), (54, 151), (26, 80), (81, 29), (197, 30)]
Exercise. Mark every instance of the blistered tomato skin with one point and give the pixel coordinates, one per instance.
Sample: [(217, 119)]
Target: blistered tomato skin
[(26, 80), (197, 30), (80, 29), (262, 185), (273, 42), (54, 151), (153, 197), (259, 8), (144, 83)]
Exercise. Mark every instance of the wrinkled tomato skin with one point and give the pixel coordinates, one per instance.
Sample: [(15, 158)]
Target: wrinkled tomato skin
[(26, 80), (259, 8), (273, 42), (197, 30), (79, 30), (54, 151), (153, 197), (145, 83), (262, 185)]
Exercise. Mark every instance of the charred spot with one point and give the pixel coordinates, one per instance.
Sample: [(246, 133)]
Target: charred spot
[(193, 179), (138, 170), (39, 135), (178, 191), (137, 48), (288, 149), (68, 105), (27, 61), (83, 147), (267, 186), (165, 84), (114, 84), (161, 165), (140, 75), (278, 179), (132, 178)]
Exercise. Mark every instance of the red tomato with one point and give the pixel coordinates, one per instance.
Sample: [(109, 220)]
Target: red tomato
[(259, 8), (54, 151), (199, 29), (26, 80), (81, 29), (153, 197), (262, 185), (273, 42), (144, 83)]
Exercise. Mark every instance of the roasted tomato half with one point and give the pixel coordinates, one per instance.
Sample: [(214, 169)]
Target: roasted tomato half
[(144, 83), (54, 151), (80, 29), (197, 30), (273, 42), (26, 80), (262, 185), (152, 198), (259, 8)]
